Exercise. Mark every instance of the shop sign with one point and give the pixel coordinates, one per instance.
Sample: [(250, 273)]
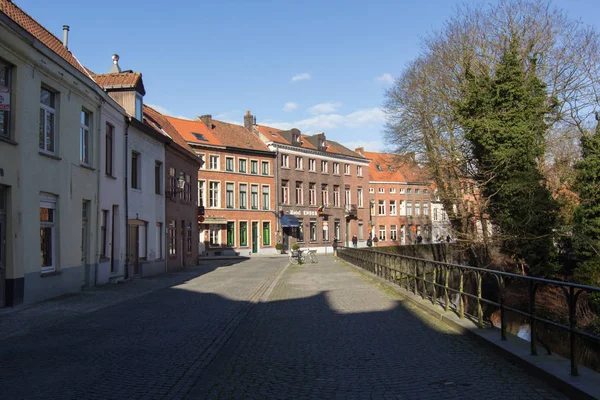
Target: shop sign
[(4, 99)]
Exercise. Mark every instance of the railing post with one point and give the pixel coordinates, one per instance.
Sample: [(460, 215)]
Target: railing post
[(533, 342), (572, 320), (479, 309), (461, 301), (446, 296), (502, 311), (434, 291), (415, 290)]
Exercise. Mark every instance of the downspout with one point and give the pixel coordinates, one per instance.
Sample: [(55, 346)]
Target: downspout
[(98, 208), (126, 268), (276, 169)]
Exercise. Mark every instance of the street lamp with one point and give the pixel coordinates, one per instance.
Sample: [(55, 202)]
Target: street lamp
[(179, 186)]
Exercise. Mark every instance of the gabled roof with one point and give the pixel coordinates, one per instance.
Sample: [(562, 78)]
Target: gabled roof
[(26, 22), (160, 123), (402, 169), (194, 131), (123, 80), (232, 135), (272, 134)]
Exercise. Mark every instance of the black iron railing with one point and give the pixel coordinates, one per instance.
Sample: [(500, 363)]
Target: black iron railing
[(426, 277)]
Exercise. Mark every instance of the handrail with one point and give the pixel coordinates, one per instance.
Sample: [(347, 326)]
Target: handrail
[(414, 277)]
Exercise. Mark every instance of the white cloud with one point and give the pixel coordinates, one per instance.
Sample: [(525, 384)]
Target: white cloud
[(301, 77), (324, 108), (386, 78), (290, 106), (369, 145)]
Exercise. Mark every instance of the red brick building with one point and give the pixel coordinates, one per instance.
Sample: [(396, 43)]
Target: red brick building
[(400, 197), (236, 187)]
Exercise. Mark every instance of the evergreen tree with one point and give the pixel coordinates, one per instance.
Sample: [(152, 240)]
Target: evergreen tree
[(586, 232), (504, 118)]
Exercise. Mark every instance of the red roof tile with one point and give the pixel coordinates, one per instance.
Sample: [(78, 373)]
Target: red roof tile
[(190, 129), (122, 80), (402, 170), (159, 122), (237, 136), (23, 19)]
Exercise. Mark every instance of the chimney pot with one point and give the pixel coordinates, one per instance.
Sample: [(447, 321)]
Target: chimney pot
[(249, 121), (207, 119), (66, 36), (360, 150), (115, 69)]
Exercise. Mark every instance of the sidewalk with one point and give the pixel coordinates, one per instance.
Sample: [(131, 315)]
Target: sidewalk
[(25, 318)]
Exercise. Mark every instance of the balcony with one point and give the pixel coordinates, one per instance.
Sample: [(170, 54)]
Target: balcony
[(350, 211)]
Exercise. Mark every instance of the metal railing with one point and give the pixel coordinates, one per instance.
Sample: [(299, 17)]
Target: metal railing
[(426, 277)]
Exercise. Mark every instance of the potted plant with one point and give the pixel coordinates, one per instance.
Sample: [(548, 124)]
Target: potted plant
[(279, 246), (295, 247)]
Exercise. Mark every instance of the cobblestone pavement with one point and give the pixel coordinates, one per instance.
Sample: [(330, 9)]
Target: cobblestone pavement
[(328, 332), (254, 329)]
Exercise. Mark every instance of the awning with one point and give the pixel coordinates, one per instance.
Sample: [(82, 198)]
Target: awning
[(288, 220), (215, 220)]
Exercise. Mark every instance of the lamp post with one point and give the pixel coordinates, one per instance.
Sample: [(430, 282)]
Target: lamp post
[(371, 212), (179, 187)]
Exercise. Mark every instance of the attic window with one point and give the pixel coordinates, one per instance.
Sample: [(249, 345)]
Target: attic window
[(199, 136), (273, 133), (391, 168), (296, 138), (378, 167)]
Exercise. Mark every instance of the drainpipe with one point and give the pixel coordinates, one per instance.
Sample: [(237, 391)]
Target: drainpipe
[(98, 208), (126, 180), (276, 169)]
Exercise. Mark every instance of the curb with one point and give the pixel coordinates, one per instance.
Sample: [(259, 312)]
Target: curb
[(552, 369)]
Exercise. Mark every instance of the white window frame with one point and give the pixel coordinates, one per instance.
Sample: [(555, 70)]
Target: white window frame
[(381, 190), (49, 201), (299, 193), (393, 207), (312, 165), (311, 237), (245, 160), (299, 163), (285, 161), (262, 168), (214, 202), (336, 196), (139, 111), (394, 233), (346, 169), (216, 165), (347, 195), (285, 192), (257, 167), (382, 233), (49, 110), (425, 207), (380, 207), (244, 198), (325, 194), (258, 194), (232, 159), (359, 197), (202, 192), (359, 170), (232, 197), (214, 232), (312, 194), (202, 157), (266, 205), (85, 141), (336, 168), (392, 190), (324, 167), (371, 190)]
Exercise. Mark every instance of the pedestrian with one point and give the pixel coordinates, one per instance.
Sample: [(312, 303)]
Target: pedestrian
[(335, 246), (448, 238), (375, 240), (419, 239), (369, 241), (354, 241)]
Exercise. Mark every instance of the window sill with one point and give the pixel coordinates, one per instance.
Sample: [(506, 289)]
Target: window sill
[(42, 153), (87, 167), (8, 140), (50, 273), (110, 176)]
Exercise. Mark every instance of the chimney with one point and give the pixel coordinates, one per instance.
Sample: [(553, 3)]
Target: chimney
[(66, 36), (207, 119), (115, 69), (360, 150), (249, 121)]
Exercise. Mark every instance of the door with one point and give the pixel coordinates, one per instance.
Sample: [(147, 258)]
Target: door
[(134, 243), (255, 237), (113, 243)]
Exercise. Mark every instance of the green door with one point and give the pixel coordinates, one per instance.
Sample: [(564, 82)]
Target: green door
[(255, 237)]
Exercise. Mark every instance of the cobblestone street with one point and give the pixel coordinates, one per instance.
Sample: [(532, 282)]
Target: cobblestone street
[(256, 329)]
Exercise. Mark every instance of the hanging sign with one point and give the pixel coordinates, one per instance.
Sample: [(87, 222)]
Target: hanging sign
[(4, 99)]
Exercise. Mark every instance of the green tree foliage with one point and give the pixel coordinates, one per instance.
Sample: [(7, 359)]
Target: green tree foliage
[(504, 117), (586, 232)]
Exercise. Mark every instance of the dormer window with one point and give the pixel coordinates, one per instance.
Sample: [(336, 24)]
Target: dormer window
[(139, 105), (322, 144), (297, 139), (378, 167)]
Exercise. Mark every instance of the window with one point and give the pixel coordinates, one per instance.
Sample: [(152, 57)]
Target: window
[(381, 207), (347, 169), (202, 157), (108, 159), (187, 190), (135, 170), (361, 234), (229, 199), (409, 208), (336, 168), (372, 207), (417, 208), (229, 164), (47, 239), (425, 191), (285, 192), (416, 191), (265, 168), (312, 165), (299, 193), (312, 194), (392, 207), (408, 191), (213, 162), (359, 192), (84, 137), (139, 103), (5, 91), (213, 194), (172, 181), (371, 190), (299, 162), (347, 195), (393, 233), (243, 196), (435, 214), (285, 161), (47, 138), (425, 208), (336, 196), (243, 234), (242, 165), (381, 190), (300, 230), (336, 230), (159, 241), (231, 234), (324, 195), (378, 167), (201, 192), (266, 233), (358, 170), (313, 230), (266, 197), (157, 177), (382, 233), (254, 167), (214, 235), (325, 232), (392, 190), (103, 233), (172, 238), (324, 166), (254, 196), (401, 190), (188, 238)]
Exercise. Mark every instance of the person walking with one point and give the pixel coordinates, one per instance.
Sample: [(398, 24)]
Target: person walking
[(335, 246), (354, 241)]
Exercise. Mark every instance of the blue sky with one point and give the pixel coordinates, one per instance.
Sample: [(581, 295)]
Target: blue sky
[(320, 66)]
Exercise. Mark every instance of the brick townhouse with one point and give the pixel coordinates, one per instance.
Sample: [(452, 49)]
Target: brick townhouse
[(321, 188), (400, 197), (236, 187)]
